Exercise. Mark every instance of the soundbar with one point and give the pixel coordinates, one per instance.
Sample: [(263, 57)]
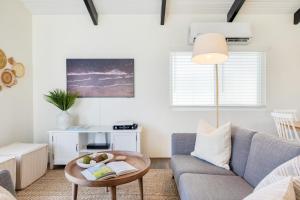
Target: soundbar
[(127, 125)]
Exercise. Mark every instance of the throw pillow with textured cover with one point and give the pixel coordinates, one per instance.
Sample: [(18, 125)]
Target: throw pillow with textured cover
[(289, 168), (280, 190), (214, 147)]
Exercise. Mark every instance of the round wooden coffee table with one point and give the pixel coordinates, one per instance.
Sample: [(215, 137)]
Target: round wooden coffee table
[(139, 161)]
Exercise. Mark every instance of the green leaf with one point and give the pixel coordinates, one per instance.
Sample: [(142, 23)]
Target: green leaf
[(61, 99)]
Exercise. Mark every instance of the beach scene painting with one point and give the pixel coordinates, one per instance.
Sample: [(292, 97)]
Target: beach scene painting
[(101, 77)]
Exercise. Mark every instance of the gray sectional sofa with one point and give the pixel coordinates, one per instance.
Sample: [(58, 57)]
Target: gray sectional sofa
[(254, 155)]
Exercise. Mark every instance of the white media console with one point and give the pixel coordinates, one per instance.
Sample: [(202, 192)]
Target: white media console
[(66, 145)]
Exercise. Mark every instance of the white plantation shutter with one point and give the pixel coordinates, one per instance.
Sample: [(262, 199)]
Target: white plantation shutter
[(241, 80)]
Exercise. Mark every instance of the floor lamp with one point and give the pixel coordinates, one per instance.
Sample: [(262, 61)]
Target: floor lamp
[(211, 49)]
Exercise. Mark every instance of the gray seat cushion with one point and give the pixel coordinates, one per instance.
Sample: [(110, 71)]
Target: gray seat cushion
[(241, 142), (212, 187), (266, 153), (189, 164)]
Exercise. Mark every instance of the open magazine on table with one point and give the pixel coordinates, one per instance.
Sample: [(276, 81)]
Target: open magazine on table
[(109, 170)]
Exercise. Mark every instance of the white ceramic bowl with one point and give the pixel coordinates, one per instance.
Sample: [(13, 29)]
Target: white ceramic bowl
[(82, 165)]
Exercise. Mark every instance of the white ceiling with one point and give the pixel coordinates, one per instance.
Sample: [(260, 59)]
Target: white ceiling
[(154, 6)]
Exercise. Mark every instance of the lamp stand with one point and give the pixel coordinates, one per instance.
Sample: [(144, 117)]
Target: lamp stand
[(217, 95)]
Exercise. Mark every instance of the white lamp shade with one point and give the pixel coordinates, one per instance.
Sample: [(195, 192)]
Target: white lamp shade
[(210, 48)]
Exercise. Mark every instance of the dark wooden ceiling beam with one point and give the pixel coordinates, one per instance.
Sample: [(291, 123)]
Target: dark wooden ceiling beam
[(92, 10), (297, 17), (163, 12), (235, 8)]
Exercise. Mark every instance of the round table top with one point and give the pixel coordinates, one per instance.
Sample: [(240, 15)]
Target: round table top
[(139, 161)]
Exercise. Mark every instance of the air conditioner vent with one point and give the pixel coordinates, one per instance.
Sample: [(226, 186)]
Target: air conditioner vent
[(236, 33), (238, 41)]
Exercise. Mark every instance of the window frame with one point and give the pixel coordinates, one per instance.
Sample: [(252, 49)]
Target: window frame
[(262, 94)]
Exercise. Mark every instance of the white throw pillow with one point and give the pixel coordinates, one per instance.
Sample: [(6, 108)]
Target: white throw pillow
[(214, 147), (204, 127), (280, 190), (289, 168), (6, 195)]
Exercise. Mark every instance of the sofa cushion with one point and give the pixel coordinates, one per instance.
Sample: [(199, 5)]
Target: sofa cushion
[(189, 164), (266, 153), (212, 187), (241, 142)]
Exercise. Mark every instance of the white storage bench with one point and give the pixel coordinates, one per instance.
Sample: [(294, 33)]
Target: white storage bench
[(32, 160), (9, 163)]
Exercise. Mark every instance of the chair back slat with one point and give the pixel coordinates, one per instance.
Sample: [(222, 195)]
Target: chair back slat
[(285, 124)]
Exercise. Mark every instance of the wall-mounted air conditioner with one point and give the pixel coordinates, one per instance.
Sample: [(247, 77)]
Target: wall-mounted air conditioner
[(235, 33)]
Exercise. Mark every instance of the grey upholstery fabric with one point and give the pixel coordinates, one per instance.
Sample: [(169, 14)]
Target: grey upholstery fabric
[(183, 143), (266, 153), (6, 182), (241, 142), (212, 187), (189, 164)]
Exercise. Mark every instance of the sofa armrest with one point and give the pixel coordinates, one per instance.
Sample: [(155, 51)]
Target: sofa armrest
[(6, 181), (183, 143)]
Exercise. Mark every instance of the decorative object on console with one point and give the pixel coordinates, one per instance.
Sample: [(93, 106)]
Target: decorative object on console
[(211, 48), (64, 101), (215, 146), (101, 77), (125, 125), (10, 72)]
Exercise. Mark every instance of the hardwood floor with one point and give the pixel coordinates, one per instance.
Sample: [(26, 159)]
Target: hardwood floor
[(160, 163)]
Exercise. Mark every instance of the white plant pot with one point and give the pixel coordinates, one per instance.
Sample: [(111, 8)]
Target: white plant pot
[(64, 120)]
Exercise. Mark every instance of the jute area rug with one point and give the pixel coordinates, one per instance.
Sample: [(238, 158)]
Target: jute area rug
[(158, 185)]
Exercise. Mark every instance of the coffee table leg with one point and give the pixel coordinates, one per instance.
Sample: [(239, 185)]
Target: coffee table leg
[(141, 188), (113, 193), (74, 191)]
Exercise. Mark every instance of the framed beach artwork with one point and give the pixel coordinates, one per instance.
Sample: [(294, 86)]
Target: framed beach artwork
[(101, 77)]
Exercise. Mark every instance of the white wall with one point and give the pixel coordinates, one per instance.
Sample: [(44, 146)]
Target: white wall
[(56, 38), (16, 111)]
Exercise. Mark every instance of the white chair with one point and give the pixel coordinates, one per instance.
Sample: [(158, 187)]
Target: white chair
[(288, 111), (285, 124)]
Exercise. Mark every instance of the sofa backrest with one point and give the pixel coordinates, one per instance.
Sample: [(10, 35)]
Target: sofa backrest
[(266, 153), (241, 142)]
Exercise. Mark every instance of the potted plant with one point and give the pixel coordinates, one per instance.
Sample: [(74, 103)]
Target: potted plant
[(64, 101)]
